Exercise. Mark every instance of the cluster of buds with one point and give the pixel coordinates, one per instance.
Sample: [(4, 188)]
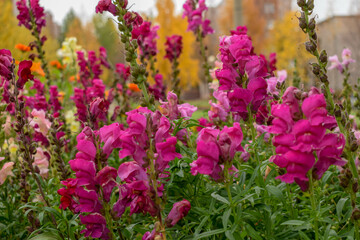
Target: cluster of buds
[(127, 21), (308, 27)]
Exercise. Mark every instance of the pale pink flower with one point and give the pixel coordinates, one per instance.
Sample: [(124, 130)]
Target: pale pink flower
[(42, 162), (6, 171), (40, 121)]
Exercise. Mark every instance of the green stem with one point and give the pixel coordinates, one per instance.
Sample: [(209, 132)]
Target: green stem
[(313, 205), (290, 201), (206, 65)]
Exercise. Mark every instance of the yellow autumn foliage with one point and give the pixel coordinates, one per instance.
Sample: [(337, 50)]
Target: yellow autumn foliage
[(12, 34), (287, 40), (171, 24)]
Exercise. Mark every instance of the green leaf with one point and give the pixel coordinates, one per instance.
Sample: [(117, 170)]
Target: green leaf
[(229, 235), (210, 233), (273, 190), (304, 236), (251, 231), (293, 222), (327, 232), (340, 206), (220, 198), (46, 236), (225, 218), (198, 229)]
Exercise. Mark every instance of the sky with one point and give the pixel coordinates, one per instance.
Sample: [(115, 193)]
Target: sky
[(85, 8)]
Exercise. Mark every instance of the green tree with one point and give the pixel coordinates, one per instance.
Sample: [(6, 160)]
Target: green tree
[(107, 35)]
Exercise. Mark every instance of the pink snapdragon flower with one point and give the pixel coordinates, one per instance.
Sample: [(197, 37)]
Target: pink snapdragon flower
[(194, 11), (6, 64), (242, 75), (214, 148), (178, 212), (123, 71), (146, 37), (6, 171), (25, 13), (346, 57), (40, 122), (173, 110), (95, 226), (106, 5), (341, 66), (24, 73), (274, 81), (158, 89), (174, 47), (41, 160), (297, 139)]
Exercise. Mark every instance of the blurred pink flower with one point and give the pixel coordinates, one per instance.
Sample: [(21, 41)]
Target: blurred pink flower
[(6, 171)]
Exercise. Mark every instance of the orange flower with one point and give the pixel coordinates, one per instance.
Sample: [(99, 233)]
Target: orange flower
[(57, 64), (133, 87), (72, 78), (36, 68), (22, 47), (61, 96)]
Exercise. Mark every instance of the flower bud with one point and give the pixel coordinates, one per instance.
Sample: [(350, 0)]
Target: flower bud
[(178, 212), (310, 46), (323, 56), (355, 186), (310, 5), (355, 214), (316, 68), (301, 3), (98, 106), (312, 24)]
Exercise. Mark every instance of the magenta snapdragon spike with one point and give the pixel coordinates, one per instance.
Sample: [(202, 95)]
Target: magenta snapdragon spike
[(215, 148), (173, 50), (148, 142), (94, 183), (242, 78), (32, 16), (123, 71), (194, 10), (25, 13), (173, 47), (146, 37), (158, 89), (298, 140)]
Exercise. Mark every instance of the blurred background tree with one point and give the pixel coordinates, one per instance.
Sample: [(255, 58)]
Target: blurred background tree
[(12, 34), (255, 23)]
